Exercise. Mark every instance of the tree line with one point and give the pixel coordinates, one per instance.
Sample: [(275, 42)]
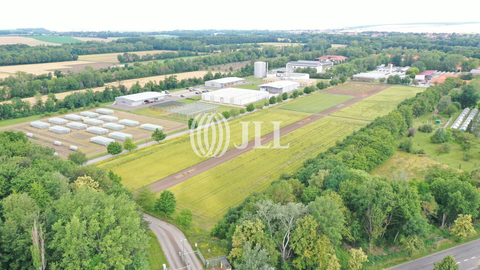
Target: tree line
[(306, 219), (132, 57), (58, 215)]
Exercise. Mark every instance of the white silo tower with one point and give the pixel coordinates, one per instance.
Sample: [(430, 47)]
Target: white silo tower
[(260, 70)]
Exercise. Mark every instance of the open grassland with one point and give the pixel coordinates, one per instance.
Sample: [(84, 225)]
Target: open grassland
[(112, 57), (156, 257), (126, 83), (379, 104), (403, 164), (151, 164), (249, 85), (6, 40), (57, 39), (315, 103), (42, 68), (81, 138), (210, 194)]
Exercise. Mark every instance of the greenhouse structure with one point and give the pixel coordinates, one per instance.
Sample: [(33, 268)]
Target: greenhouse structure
[(59, 130), (151, 127), (128, 122), (73, 148), (188, 111), (120, 136), (30, 135), (93, 122), (97, 130), (104, 111), (89, 114), (74, 117), (57, 121), (57, 143), (40, 124), (77, 126), (114, 126), (101, 140), (108, 118)]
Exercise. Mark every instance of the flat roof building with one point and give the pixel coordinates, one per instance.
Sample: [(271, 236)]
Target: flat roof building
[(280, 87), (139, 99), (235, 96), (224, 82), (302, 82), (319, 66)]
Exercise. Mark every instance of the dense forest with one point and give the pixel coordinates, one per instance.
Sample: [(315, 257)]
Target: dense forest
[(58, 215), (305, 220)]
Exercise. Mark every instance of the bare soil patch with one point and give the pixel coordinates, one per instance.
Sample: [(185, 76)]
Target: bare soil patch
[(7, 40), (43, 68)]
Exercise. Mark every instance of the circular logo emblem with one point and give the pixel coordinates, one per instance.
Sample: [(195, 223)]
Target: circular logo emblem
[(212, 137)]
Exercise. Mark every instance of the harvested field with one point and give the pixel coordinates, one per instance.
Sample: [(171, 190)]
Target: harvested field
[(356, 88), (81, 138), (112, 57), (43, 68), (128, 83), (5, 40)]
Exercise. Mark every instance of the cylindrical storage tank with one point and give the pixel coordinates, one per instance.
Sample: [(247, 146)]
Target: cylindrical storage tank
[(260, 70)]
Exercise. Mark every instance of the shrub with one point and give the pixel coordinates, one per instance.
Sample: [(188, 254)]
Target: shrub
[(441, 136), (234, 113), (242, 111), (421, 151), (47, 114), (250, 107), (226, 114), (467, 156), (411, 132), (259, 106), (266, 103), (279, 98), (407, 145), (285, 96), (427, 128)]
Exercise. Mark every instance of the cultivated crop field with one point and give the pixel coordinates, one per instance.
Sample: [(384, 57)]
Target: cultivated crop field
[(210, 194), (315, 103), (81, 138), (379, 104), (43, 68), (151, 164), (57, 39), (5, 40), (356, 87), (112, 57)]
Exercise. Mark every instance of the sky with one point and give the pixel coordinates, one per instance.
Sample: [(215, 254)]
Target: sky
[(142, 15)]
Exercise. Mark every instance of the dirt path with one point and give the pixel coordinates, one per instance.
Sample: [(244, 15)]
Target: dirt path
[(206, 165)]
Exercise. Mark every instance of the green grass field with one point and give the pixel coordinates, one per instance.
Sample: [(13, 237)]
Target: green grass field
[(249, 85), (57, 39), (156, 257), (379, 104), (210, 194), (150, 164), (315, 103), (9, 122)]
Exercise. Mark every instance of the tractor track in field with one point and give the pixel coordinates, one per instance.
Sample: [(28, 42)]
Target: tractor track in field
[(206, 165)]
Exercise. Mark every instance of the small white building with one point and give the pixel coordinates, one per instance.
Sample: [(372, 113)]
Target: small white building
[(140, 98), (279, 87), (224, 82)]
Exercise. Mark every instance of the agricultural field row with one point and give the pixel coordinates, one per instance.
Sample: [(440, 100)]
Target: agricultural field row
[(356, 87), (210, 194), (379, 104), (148, 165), (315, 103)]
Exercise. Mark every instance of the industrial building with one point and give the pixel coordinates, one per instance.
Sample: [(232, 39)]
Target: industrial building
[(382, 72), (235, 96), (260, 69), (302, 82), (319, 66), (224, 82), (425, 76), (139, 99), (279, 87)]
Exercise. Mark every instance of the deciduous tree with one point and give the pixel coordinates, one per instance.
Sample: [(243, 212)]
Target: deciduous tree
[(357, 258), (114, 148), (158, 135), (129, 145), (254, 258), (78, 157), (146, 199), (166, 203), (448, 263), (329, 217), (463, 226)]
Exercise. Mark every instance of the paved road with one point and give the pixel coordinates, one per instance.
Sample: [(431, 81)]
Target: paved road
[(467, 257), (169, 238)]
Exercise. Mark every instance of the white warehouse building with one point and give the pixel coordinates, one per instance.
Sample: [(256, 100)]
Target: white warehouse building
[(224, 82), (235, 96), (139, 99), (292, 66), (279, 87)]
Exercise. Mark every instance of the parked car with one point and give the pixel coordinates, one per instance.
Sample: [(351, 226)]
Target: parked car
[(166, 92), (182, 95), (198, 93)]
